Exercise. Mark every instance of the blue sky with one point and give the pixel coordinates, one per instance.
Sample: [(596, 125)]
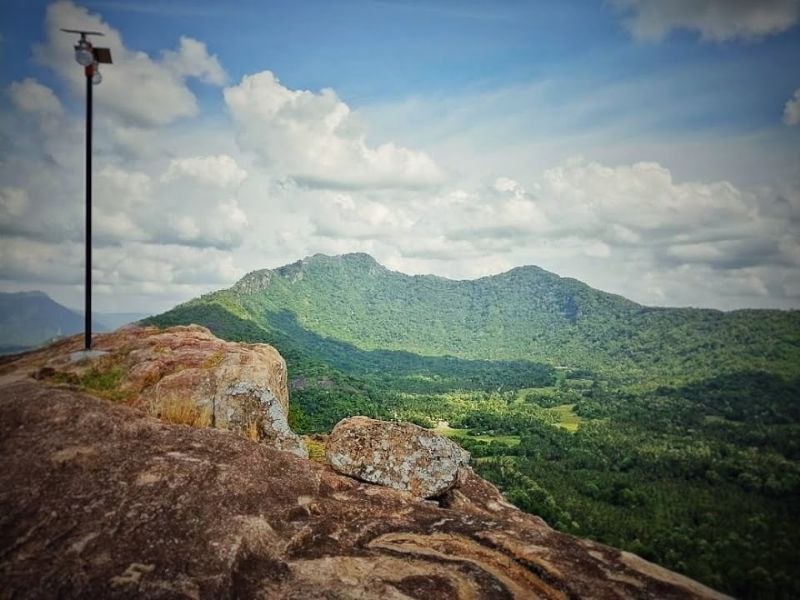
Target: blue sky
[(648, 147), (379, 51)]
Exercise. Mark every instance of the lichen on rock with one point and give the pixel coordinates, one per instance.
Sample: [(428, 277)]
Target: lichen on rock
[(402, 456)]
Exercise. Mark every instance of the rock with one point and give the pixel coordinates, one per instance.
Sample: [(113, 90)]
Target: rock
[(98, 500), (401, 456), (183, 374)]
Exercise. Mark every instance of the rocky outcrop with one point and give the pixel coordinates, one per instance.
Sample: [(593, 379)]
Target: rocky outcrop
[(401, 456), (181, 373), (98, 500)]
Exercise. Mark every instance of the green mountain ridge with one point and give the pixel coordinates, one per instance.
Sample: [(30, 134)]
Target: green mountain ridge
[(525, 314)]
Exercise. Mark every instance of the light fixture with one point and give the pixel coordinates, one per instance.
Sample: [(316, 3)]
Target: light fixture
[(96, 77), (83, 53)]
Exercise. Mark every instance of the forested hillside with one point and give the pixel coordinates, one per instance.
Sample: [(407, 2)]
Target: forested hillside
[(525, 314), (669, 432)]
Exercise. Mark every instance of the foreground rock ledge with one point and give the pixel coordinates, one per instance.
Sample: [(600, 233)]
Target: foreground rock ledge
[(97, 500), (402, 456), (184, 373)]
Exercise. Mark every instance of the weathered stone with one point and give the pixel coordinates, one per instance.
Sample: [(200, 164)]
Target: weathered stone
[(99, 501), (234, 386), (401, 456)]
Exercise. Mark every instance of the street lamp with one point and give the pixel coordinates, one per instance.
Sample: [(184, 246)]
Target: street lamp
[(90, 59)]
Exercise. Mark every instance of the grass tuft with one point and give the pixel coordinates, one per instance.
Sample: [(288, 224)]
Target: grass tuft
[(251, 431), (180, 410), (316, 449)]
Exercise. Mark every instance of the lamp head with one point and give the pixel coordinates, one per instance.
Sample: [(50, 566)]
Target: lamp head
[(83, 53)]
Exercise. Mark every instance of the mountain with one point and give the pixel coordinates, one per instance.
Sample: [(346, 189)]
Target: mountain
[(28, 319), (352, 312)]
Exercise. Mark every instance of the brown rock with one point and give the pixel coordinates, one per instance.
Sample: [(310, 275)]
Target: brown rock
[(100, 501), (402, 456), (182, 374)]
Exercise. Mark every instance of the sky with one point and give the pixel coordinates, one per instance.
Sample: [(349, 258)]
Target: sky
[(650, 148)]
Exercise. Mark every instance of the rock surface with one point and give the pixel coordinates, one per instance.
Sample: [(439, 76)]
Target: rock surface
[(98, 500), (184, 370), (402, 456)]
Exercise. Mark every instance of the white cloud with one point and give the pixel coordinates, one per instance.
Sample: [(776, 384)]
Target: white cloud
[(220, 170), (31, 260), (316, 140), (152, 270), (716, 20), (136, 89), (164, 265), (13, 203), (791, 112), (192, 60), (179, 207), (642, 198), (31, 96)]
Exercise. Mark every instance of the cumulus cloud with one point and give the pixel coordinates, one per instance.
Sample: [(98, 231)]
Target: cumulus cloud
[(130, 267), (137, 89), (185, 205), (715, 20), (192, 60), (31, 96), (153, 265), (315, 139), (39, 261), (13, 202), (640, 199), (220, 170), (791, 112)]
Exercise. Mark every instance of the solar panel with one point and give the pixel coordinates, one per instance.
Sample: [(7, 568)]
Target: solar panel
[(82, 32), (102, 55)]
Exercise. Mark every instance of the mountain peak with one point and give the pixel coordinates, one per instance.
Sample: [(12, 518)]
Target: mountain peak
[(358, 257), (352, 258)]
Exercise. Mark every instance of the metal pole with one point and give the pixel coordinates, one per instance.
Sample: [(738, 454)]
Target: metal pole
[(88, 307)]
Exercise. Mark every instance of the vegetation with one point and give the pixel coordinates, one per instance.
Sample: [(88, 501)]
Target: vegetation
[(181, 410), (102, 380), (672, 433)]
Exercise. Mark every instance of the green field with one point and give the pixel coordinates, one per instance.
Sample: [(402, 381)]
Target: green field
[(567, 419)]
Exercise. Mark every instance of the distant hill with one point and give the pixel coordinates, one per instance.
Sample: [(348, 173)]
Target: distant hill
[(355, 314), (28, 319)]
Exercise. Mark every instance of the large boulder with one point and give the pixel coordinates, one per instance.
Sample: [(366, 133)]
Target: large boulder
[(401, 456), (100, 501), (182, 374)]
